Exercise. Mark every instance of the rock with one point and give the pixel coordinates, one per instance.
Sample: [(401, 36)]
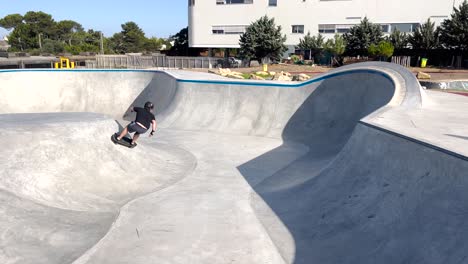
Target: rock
[(255, 77), (213, 71), (235, 73), (232, 74), (235, 76), (283, 76), (224, 72), (272, 73), (301, 77), (423, 75)]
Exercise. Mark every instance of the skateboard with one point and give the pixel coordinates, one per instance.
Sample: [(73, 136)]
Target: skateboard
[(125, 141)]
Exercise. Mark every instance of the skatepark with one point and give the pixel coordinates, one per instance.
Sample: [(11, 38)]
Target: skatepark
[(359, 165)]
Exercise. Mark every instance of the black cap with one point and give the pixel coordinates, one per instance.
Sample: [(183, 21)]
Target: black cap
[(149, 105)]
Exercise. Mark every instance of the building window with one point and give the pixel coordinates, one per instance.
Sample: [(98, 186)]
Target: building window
[(343, 28), (404, 27), (298, 29), (327, 28), (385, 28), (228, 30), (272, 2), (191, 2), (233, 2)]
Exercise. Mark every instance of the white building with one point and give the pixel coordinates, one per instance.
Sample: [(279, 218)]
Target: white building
[(219, 23)]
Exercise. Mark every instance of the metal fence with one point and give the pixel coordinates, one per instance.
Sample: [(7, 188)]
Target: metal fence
[(155, 61)]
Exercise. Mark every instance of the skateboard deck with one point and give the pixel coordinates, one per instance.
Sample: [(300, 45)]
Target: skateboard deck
[(125, 141)]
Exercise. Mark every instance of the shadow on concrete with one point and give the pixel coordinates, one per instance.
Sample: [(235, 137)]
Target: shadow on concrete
[(283, 178), (160, 91), (456, 136)]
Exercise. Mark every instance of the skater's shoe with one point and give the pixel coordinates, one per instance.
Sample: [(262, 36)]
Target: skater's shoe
[(114, 138)]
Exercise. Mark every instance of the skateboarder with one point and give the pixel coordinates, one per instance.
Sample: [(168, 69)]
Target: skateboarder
[(144, 118)]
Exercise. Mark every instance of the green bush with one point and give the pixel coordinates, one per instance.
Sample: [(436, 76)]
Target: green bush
[(373, 50), (295, 59), (386, 49), (34, 52), (383, 50), (75, 50), (300, 62)]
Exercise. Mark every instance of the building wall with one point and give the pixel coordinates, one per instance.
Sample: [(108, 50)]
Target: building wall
[(205, 14)]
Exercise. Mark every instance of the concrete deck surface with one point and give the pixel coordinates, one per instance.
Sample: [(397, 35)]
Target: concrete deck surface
[(359, 165)]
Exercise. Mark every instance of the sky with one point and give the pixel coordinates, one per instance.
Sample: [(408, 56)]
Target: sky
[(157, 18)]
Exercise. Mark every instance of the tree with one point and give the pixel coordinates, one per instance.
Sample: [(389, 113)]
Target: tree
[(155, 44), (133, 37), (130, 39), (361, 36), (117, 43), (384, 50), (180, 42), (87, 41), (313, 44), (36, 29), (262, 41), (53, 46), (23, 38), (66, 29), (425, 36), (40, 22), (28, 29), (454, 31), (11, 21), (398, 39), (336, 47)]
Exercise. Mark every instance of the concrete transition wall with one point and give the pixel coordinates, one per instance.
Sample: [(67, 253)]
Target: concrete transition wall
[(377, 197)]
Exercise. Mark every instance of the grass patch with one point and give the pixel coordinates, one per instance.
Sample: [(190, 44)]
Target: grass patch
[(246, 75)]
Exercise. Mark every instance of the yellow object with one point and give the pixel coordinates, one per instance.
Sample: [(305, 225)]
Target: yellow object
[(265, 67), (423, 62), (64, 63)]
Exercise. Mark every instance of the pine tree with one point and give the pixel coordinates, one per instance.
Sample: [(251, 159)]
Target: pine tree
[(398, 39), (454, 31), (361, 36), (262, 41), (425, 36), (336, 46), (314, 44)]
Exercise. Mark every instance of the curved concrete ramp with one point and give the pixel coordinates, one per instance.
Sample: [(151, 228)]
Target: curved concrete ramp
[(356, 166)]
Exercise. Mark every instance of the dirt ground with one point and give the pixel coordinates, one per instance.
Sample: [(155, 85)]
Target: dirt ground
[(445, 74), (437, 74)]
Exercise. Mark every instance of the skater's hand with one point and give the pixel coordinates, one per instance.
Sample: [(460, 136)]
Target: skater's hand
[(152, 133)]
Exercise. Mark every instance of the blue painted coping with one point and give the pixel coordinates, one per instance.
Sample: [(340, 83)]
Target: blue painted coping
[(240, 83)]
